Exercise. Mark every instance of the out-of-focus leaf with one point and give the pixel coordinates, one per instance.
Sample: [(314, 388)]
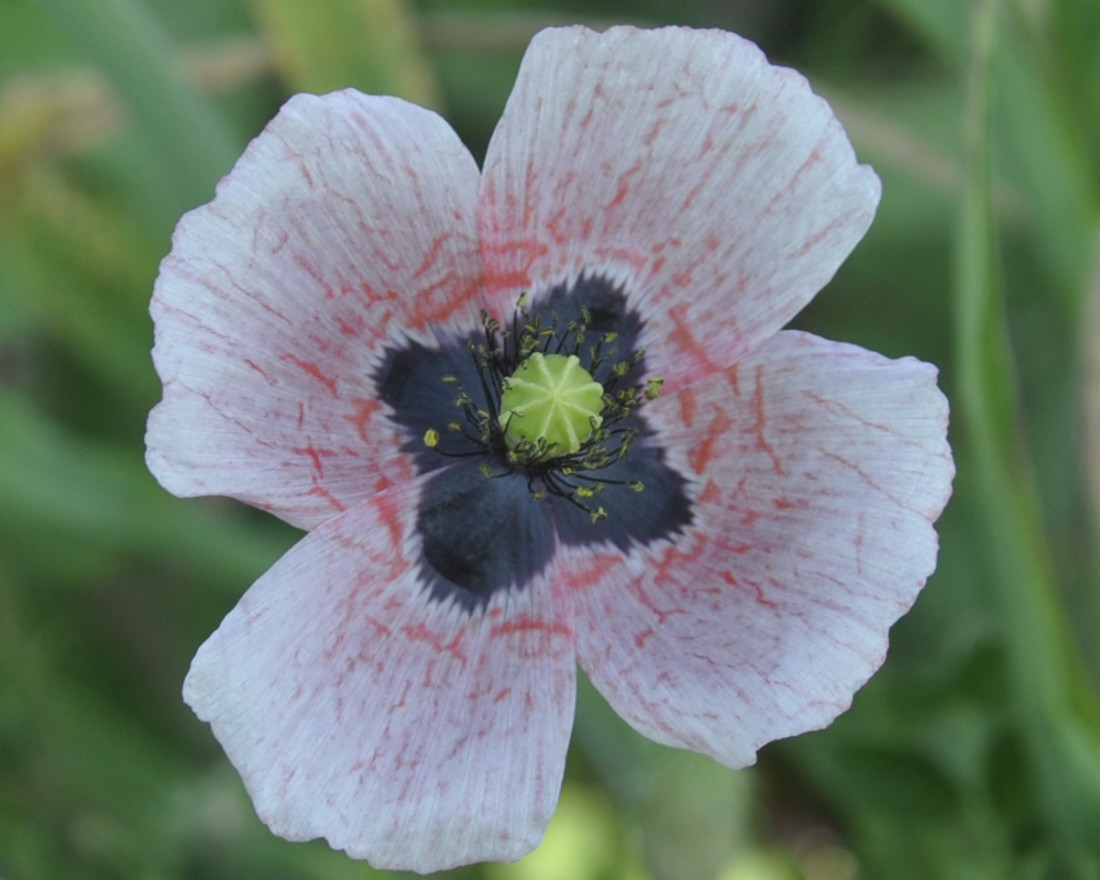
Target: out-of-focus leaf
[(1072, 39), (215, 833), (1090, 388), (84, 271), (693, 813), (898, 277), (83, 785), (27, 37), (943, 23), (327, 45), (49, 114), (74, 110), (1042, 138), (1057, 713), (760, 864), (580, 844), (913, 132), (180, 126), (898, 784), (55, 484)]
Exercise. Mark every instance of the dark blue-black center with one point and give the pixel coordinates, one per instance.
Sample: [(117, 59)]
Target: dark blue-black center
[(489, 521)]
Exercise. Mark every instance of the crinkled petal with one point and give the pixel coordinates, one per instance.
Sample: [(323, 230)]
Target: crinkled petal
[(349, 224), (818, 469), (719, 191), (407, 731)]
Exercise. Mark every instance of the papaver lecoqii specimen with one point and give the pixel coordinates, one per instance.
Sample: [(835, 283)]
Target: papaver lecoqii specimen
[(534, 415)]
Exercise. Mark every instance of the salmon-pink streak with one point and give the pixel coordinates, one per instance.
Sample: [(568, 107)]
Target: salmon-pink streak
[(719, 190), (396, 728), (363, 222), (785, 521), (763, 619)]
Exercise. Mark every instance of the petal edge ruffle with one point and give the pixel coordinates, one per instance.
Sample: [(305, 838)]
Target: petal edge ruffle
[(717, 189), (348, 225), (818, 470), (407, 731)]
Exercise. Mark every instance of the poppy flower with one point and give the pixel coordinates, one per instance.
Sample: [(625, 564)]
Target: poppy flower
[(536, 415)]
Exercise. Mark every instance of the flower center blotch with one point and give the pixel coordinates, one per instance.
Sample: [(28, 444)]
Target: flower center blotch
[(554, 400), (532, 432)]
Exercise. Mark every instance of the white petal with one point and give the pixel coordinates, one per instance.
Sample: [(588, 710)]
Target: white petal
[(717, 189), (406, 731), (348, 223), (817, 469)]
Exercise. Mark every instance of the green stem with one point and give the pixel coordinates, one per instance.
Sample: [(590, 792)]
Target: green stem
[(1057, 714), (120, 36)]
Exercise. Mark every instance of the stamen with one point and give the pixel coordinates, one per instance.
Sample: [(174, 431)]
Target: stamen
[(537, 407)]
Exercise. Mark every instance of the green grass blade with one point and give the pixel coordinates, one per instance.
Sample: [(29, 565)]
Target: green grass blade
[(1054, 710), (179, 124)]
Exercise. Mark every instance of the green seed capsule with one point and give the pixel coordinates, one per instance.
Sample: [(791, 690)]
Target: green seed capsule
[(552, 401)]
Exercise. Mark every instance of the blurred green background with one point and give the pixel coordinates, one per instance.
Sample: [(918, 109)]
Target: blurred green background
[(975, 752)]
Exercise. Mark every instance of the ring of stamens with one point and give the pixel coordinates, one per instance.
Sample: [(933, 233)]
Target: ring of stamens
[(555, 462)]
